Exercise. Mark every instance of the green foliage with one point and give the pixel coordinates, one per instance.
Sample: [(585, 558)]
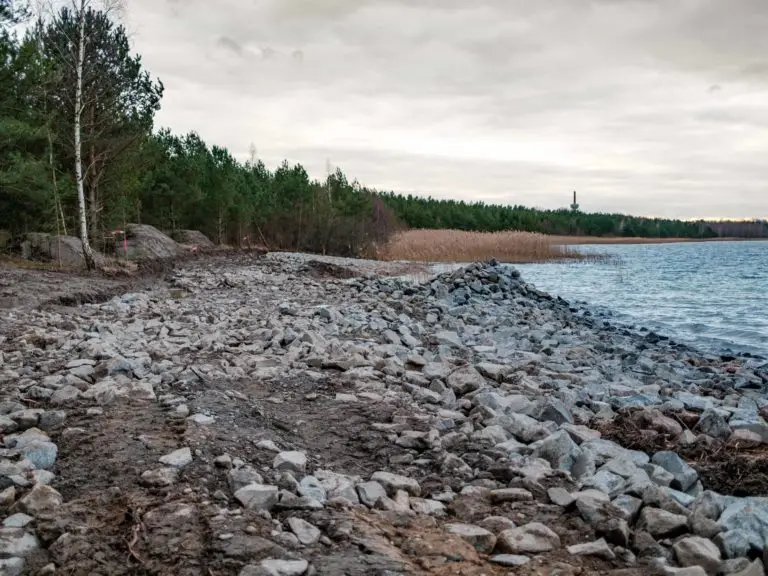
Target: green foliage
[(417, 212)]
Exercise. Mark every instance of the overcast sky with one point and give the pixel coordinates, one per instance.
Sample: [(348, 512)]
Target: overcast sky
[(653, 107)]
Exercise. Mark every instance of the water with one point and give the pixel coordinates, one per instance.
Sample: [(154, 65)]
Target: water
[(712, 295)]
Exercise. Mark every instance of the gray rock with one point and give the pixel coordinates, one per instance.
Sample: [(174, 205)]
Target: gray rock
[(509, 560), (272, 567), (160, 477), (312, 488), (750, 517), (629, 506), (17, 542), (559, 450), (712, 423), (42, 499), (178, 458), (756, 568), (40, 452), (292, 461), (555, 411), (511, 495), (464, 380), (662, 524), (305, 532), (18, 520), (64, 395), (239, 477), (599, 548), (533, 538), (560, 497), (685, 476), (697, 551), (370, 493), (734, 543), (394, 482), (480, 538), (11, 566), (605, 481), (257, 496), (616, 531), (497, 524)]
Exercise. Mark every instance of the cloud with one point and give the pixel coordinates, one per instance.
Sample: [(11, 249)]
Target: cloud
[(646, 106)]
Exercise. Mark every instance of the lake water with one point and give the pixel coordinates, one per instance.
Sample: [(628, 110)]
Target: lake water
[(712, 295)]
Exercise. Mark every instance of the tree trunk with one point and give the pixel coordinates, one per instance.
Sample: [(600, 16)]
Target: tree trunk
[(89, 260)]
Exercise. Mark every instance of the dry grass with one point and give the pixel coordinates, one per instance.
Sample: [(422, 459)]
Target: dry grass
[(460, 246)]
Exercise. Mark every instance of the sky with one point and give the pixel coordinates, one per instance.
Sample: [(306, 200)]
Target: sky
[(649, 107)]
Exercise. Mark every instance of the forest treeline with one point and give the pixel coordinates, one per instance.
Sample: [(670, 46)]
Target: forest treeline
[(92, 104)]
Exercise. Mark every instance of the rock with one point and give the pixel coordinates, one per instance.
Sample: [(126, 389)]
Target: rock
[(597, 548), (178, 458), (271, 567), (748, 518), (697, 551), (11, 566), (305, 532), (606, 482), (511, 495), (496, 524), (257, 496), (533, 538), (464, 380), (267, 445), (17, 542), (312, 488), (18, 520), (293, 461), (42, 499), (338, 485), (559, 450), (510, 560), (754, 569), (394, 482), (655, 420), (370, 493), (616, 531), (40, 452), (662, 524), (480, 538), (239, 477), (201, 419), (712, 423), (64, 395), (684, 475), (427, 507), (560, 497), (160, 477), (555, 411), (629, 506)]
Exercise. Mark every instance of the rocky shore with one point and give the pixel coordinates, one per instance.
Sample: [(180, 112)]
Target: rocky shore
[(287, 416)]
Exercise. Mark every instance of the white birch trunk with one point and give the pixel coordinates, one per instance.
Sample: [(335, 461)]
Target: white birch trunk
[(89, 260)]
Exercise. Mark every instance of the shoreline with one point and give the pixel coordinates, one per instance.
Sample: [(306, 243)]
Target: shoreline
[(263, 405), (597, 240)]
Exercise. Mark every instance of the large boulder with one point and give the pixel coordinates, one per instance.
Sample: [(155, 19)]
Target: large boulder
[(64, 250), (147, 242)]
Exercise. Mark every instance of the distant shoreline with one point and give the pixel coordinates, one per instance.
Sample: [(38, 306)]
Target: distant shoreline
[(587, 240)]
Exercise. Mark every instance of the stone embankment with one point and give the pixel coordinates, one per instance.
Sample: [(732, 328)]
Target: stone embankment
[(263, 418)]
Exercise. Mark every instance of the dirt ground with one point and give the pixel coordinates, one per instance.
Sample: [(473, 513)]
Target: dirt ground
[(111, 524)]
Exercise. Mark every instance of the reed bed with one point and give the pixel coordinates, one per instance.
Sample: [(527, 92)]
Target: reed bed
[(460, 246)]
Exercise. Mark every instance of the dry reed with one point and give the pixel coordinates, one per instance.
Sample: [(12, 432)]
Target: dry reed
[(460, 246)]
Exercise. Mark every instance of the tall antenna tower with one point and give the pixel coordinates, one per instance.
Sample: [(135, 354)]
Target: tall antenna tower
[(575, 205)]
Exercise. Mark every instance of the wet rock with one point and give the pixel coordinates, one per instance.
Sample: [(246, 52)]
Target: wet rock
[(533, 538), (257, 496), (178, 458), (697, 551), (480, 538), (599, 548), (304, 531)]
